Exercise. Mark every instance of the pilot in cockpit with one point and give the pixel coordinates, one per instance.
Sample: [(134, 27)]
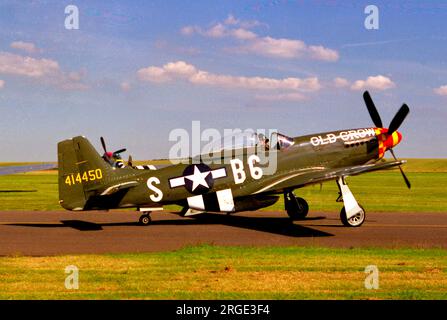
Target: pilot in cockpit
[(263, 141)]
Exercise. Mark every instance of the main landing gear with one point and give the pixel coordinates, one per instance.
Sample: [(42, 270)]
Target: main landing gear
[(297, 208), (352, 214)]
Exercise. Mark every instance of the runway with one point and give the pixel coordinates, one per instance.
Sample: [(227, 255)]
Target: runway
[(59, 233)]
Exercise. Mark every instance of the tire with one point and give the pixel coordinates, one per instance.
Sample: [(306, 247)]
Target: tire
[(297, 210), (145, 220), (355, 221)]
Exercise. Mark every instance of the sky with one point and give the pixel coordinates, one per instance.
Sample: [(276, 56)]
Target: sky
[(134, 71)]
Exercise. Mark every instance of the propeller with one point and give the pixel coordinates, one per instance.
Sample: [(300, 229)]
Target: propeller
[(398, 118), (395, 123), (106, 153), (372, 110), (407, 182), (130, 162)]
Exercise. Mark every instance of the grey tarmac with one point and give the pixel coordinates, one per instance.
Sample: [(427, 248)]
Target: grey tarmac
[(60, 233)]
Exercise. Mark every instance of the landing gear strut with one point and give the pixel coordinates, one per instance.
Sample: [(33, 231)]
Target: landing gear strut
[(352, 214), (297, 208)]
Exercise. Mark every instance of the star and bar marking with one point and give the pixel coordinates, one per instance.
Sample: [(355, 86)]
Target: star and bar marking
[(198, 178)]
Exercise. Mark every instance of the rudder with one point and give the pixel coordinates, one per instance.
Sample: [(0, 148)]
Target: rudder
[(81, 172)]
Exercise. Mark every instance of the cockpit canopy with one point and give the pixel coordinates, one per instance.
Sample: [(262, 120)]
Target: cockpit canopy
[(248, 140), (281, 141)]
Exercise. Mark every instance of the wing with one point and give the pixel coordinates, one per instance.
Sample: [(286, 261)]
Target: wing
[(307, 176), (18, 169)]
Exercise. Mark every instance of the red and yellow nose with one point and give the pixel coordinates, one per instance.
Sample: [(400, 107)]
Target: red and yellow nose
[(387, 141), (392, 140)]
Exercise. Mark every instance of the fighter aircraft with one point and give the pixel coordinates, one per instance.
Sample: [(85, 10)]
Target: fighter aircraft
[(240, 182), (25, 168)]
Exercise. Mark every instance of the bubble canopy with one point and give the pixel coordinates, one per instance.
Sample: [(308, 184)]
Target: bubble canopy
[(248, 139)]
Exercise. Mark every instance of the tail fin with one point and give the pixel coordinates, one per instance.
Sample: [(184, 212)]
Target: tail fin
[(81, 172)]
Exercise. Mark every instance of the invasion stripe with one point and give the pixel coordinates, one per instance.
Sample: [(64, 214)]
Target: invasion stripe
[(220, 201)]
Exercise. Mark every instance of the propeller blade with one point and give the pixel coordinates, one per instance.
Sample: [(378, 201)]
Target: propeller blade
[(103, 144), (372, 110), (130, 162), (398, 118), (407, 182), (120, 151)]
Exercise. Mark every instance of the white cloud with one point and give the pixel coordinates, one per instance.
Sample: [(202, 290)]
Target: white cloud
[(182, 70), (288, 49), (378, 82), (188, 30), (75, 76), (442, 90), (26, 66), (259, 83), (169, 72), (282, 48), (45, 69), (125, 86), (231, 20), (2, 83), (322, 53), (341, 82), (217, 31), (294, 96), (29, 47), (243, 34), (247, 24), (265, 46), (153, 74)]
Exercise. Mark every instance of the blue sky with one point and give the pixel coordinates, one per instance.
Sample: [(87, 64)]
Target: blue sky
[(136, 70)]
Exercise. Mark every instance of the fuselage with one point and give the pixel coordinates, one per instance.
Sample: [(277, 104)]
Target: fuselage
[(253, 171)]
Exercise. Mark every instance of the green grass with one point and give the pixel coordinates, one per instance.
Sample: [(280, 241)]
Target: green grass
[(37, 192), (211, 272), (426, 165), (378, 191)]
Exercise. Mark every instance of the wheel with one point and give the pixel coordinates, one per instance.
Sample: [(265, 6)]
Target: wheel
[(298, 209), (145, 220), (355, 221)]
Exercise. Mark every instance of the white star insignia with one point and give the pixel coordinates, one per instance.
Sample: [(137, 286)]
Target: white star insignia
[(198, 178)]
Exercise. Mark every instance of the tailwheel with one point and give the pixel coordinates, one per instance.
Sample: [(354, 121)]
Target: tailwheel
[(355, 221), (297, 208), (145, 220)]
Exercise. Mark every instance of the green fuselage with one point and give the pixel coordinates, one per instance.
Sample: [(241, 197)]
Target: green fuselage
[(297, 165)]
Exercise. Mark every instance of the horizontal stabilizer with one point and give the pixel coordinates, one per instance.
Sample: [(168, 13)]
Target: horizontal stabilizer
[(117, 187)]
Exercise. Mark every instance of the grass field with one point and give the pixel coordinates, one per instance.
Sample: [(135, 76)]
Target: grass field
[(379, 191), (209, 272), (212, 272)]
